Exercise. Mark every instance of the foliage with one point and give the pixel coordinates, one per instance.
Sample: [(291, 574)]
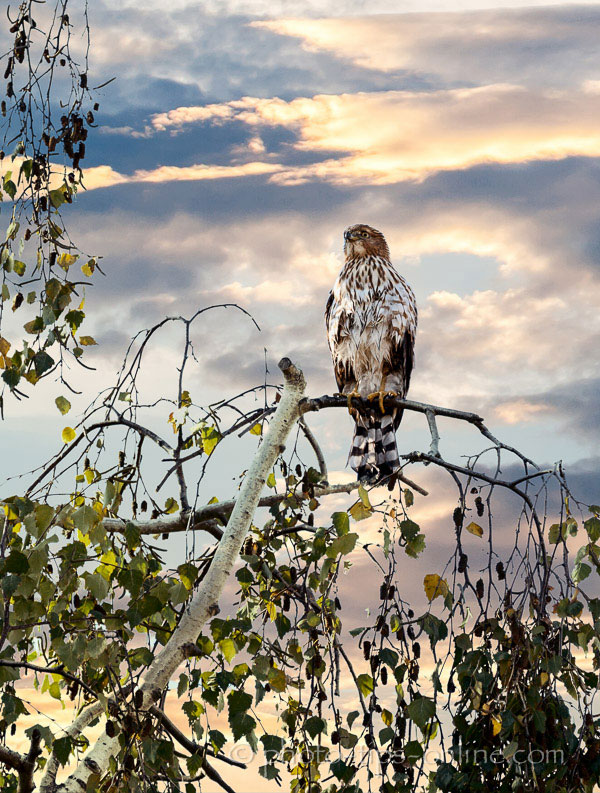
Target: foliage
[(45, 116), (488, 685)]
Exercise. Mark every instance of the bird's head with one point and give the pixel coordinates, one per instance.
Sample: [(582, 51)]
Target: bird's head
[(362, 240)]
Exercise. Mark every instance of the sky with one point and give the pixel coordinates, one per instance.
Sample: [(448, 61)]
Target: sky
[(241, 137)]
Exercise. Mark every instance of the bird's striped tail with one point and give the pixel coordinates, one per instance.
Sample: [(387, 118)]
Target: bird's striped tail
[(374, 454)]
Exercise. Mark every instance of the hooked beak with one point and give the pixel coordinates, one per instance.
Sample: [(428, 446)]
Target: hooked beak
[(348, 236)]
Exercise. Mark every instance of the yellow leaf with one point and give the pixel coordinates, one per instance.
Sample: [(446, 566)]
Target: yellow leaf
[(364, 496), (9, 512), (359, 511), (89, 475), (89, 267), (4, 346), (544, 677), (496, 724), (68, 434), (435, 586), (387, 717), (186, 399), (84, 538), (256, 430), (65, 260), (473, 528), (87, 341)]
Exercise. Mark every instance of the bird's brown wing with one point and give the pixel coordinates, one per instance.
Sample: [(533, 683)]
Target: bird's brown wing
[(336, 323), (403, 359)]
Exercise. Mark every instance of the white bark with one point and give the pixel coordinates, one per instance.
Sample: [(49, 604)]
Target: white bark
[(204, 604), (87, 716)]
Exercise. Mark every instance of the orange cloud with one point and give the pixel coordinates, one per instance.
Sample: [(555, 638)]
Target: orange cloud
[(393, 136)]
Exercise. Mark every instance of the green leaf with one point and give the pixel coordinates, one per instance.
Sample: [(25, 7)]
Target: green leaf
[(592, 526), (9, 187), (269, 771), (188, 574), (42, 362), (342, 771), (277, 679), (365, 684), (7, 674), (17, 562), (171, 506), (421, 711), (415, 546), (413, 751), (409, 529), (63, 404), (85, 518), (341, 523), (241, 725), (238, 702), (57, 197), (44, 514), (217, 739), (62, 749), (314, 726), (228, 648), (97, 585), (435, 628), (581, 571), (342, 545)]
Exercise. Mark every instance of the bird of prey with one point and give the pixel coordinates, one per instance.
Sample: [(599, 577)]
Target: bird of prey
[(371, 319)]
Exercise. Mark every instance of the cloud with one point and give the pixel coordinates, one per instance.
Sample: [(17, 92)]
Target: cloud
[(536, 46), (384, 137), (105, 176), (575, 404)]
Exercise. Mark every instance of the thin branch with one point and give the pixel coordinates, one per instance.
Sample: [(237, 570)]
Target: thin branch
[(309, 435), (191, 746), (50, 670)]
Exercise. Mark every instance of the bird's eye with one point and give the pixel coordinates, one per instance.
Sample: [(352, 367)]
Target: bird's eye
[(364, 234)]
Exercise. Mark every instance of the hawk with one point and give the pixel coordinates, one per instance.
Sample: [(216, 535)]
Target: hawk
[(371, 319)]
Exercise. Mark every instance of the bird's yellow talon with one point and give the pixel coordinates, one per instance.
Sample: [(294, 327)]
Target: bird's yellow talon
[(380, 395), (351, 410)]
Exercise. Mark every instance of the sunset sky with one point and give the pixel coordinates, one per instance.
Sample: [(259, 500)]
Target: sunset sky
[(241, 137)]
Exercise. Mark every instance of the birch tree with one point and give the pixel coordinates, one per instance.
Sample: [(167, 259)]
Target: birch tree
[(46, 112), (491, 685)]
